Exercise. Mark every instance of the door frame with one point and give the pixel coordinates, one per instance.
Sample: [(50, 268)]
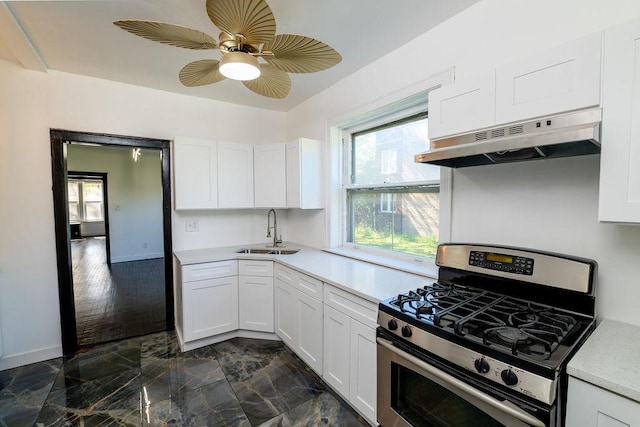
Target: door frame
[(60, 139), (105, 204)]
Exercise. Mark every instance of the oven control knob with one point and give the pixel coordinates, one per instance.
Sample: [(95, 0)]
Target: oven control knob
[(392, 324), (509, 377), (482, 366), (406, 331)]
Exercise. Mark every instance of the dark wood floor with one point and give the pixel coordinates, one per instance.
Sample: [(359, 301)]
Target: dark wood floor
[(125, 301)]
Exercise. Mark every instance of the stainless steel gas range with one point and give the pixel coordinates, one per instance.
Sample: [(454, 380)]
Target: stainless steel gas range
[(487, 344)]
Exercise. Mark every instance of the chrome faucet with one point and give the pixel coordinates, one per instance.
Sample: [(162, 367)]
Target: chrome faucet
[(276, 240)]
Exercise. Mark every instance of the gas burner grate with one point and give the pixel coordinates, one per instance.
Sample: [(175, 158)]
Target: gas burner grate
[(518, 326)]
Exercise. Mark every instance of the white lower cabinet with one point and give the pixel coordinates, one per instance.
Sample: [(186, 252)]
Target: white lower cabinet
[(285, 323), (362, 380), (210, 299), (309, 319), (298, 315), (255, 290), (337, 350), (592, 406), (350, 349)]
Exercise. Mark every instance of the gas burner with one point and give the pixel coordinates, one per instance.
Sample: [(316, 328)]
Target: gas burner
[(511, 335), (523, 318)]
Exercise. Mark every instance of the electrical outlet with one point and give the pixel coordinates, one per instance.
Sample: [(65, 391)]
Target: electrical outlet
[(192, 225), (144, 245)]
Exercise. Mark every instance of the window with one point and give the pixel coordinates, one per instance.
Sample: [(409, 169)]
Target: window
[(392, 203), (85, 200), (387, 203)]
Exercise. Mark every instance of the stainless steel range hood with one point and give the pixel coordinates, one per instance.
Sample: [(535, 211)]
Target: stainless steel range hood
[(570, 134)]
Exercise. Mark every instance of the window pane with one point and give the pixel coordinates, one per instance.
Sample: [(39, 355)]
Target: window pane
[(72, 189), (92, 191), (73, 212), (93, 211), (386, 155), (402, 222)]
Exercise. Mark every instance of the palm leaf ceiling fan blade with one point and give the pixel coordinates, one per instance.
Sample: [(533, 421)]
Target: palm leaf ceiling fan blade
[(174, 35), (272, 82), (300, 54), (251, 18), (200, 73)]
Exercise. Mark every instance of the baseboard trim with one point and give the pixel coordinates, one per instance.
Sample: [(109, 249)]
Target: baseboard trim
[(192, 345), (22, 359), (137, 257)]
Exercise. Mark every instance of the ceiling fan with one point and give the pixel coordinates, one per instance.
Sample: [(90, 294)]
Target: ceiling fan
[(248, 33)]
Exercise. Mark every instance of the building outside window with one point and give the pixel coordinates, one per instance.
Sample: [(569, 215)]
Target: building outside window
[(392, 203)]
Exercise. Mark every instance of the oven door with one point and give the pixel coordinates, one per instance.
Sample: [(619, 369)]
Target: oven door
[(413, 393)]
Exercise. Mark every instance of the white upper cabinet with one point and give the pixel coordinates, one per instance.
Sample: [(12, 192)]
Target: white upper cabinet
[(556, 80), (304, 174), (620, 157), (235, 175), (462, 107), (195, 173), (270, 175)]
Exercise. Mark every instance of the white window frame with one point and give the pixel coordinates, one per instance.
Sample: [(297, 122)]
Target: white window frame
[(400, 114), (387, 202), (389, 161), (395, 104), (82, 203)]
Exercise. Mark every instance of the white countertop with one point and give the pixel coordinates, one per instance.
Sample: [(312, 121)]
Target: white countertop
[(369, 281), (610, 359)]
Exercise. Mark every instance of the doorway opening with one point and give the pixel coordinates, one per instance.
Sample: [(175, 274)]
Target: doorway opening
[(120, 263), (89, 207)]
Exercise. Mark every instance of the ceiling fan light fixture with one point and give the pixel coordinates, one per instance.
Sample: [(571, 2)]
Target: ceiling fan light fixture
[(239, 66)]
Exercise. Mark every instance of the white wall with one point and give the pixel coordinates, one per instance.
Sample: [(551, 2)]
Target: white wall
[(550, 205), (30, 104), (134, 197)]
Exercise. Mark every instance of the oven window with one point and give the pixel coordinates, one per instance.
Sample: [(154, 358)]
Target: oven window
[(424, 403)]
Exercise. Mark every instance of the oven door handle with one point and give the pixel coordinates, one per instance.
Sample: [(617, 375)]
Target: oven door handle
[(510, 409)]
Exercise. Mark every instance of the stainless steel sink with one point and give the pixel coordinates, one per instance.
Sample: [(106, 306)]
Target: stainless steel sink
[(285, 251), (254, 251), (273, 251)]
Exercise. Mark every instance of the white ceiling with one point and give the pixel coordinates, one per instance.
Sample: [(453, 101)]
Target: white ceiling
[(79, 37)]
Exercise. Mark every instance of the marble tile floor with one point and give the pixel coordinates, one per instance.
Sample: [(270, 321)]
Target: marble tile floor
[(147, 381)]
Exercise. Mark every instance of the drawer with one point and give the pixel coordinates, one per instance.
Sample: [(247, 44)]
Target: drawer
[(300, 281), (285, 274), (310, 286), (353, 306), (209, 270), (255, 268)]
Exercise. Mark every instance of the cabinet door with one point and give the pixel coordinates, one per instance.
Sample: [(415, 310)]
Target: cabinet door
[(270, 176), (620, 158), (256, 303), (195, 175), (309, 326), (235, 175), (304, 174), (464, 106), (285, 315), (363, 381), (210, 307), (557, 80), (337, 332), (591, 406)]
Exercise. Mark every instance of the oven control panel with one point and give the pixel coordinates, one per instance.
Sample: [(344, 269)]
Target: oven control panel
[(500, 262)]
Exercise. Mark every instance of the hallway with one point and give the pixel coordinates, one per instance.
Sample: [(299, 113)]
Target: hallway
[(126, 301)]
